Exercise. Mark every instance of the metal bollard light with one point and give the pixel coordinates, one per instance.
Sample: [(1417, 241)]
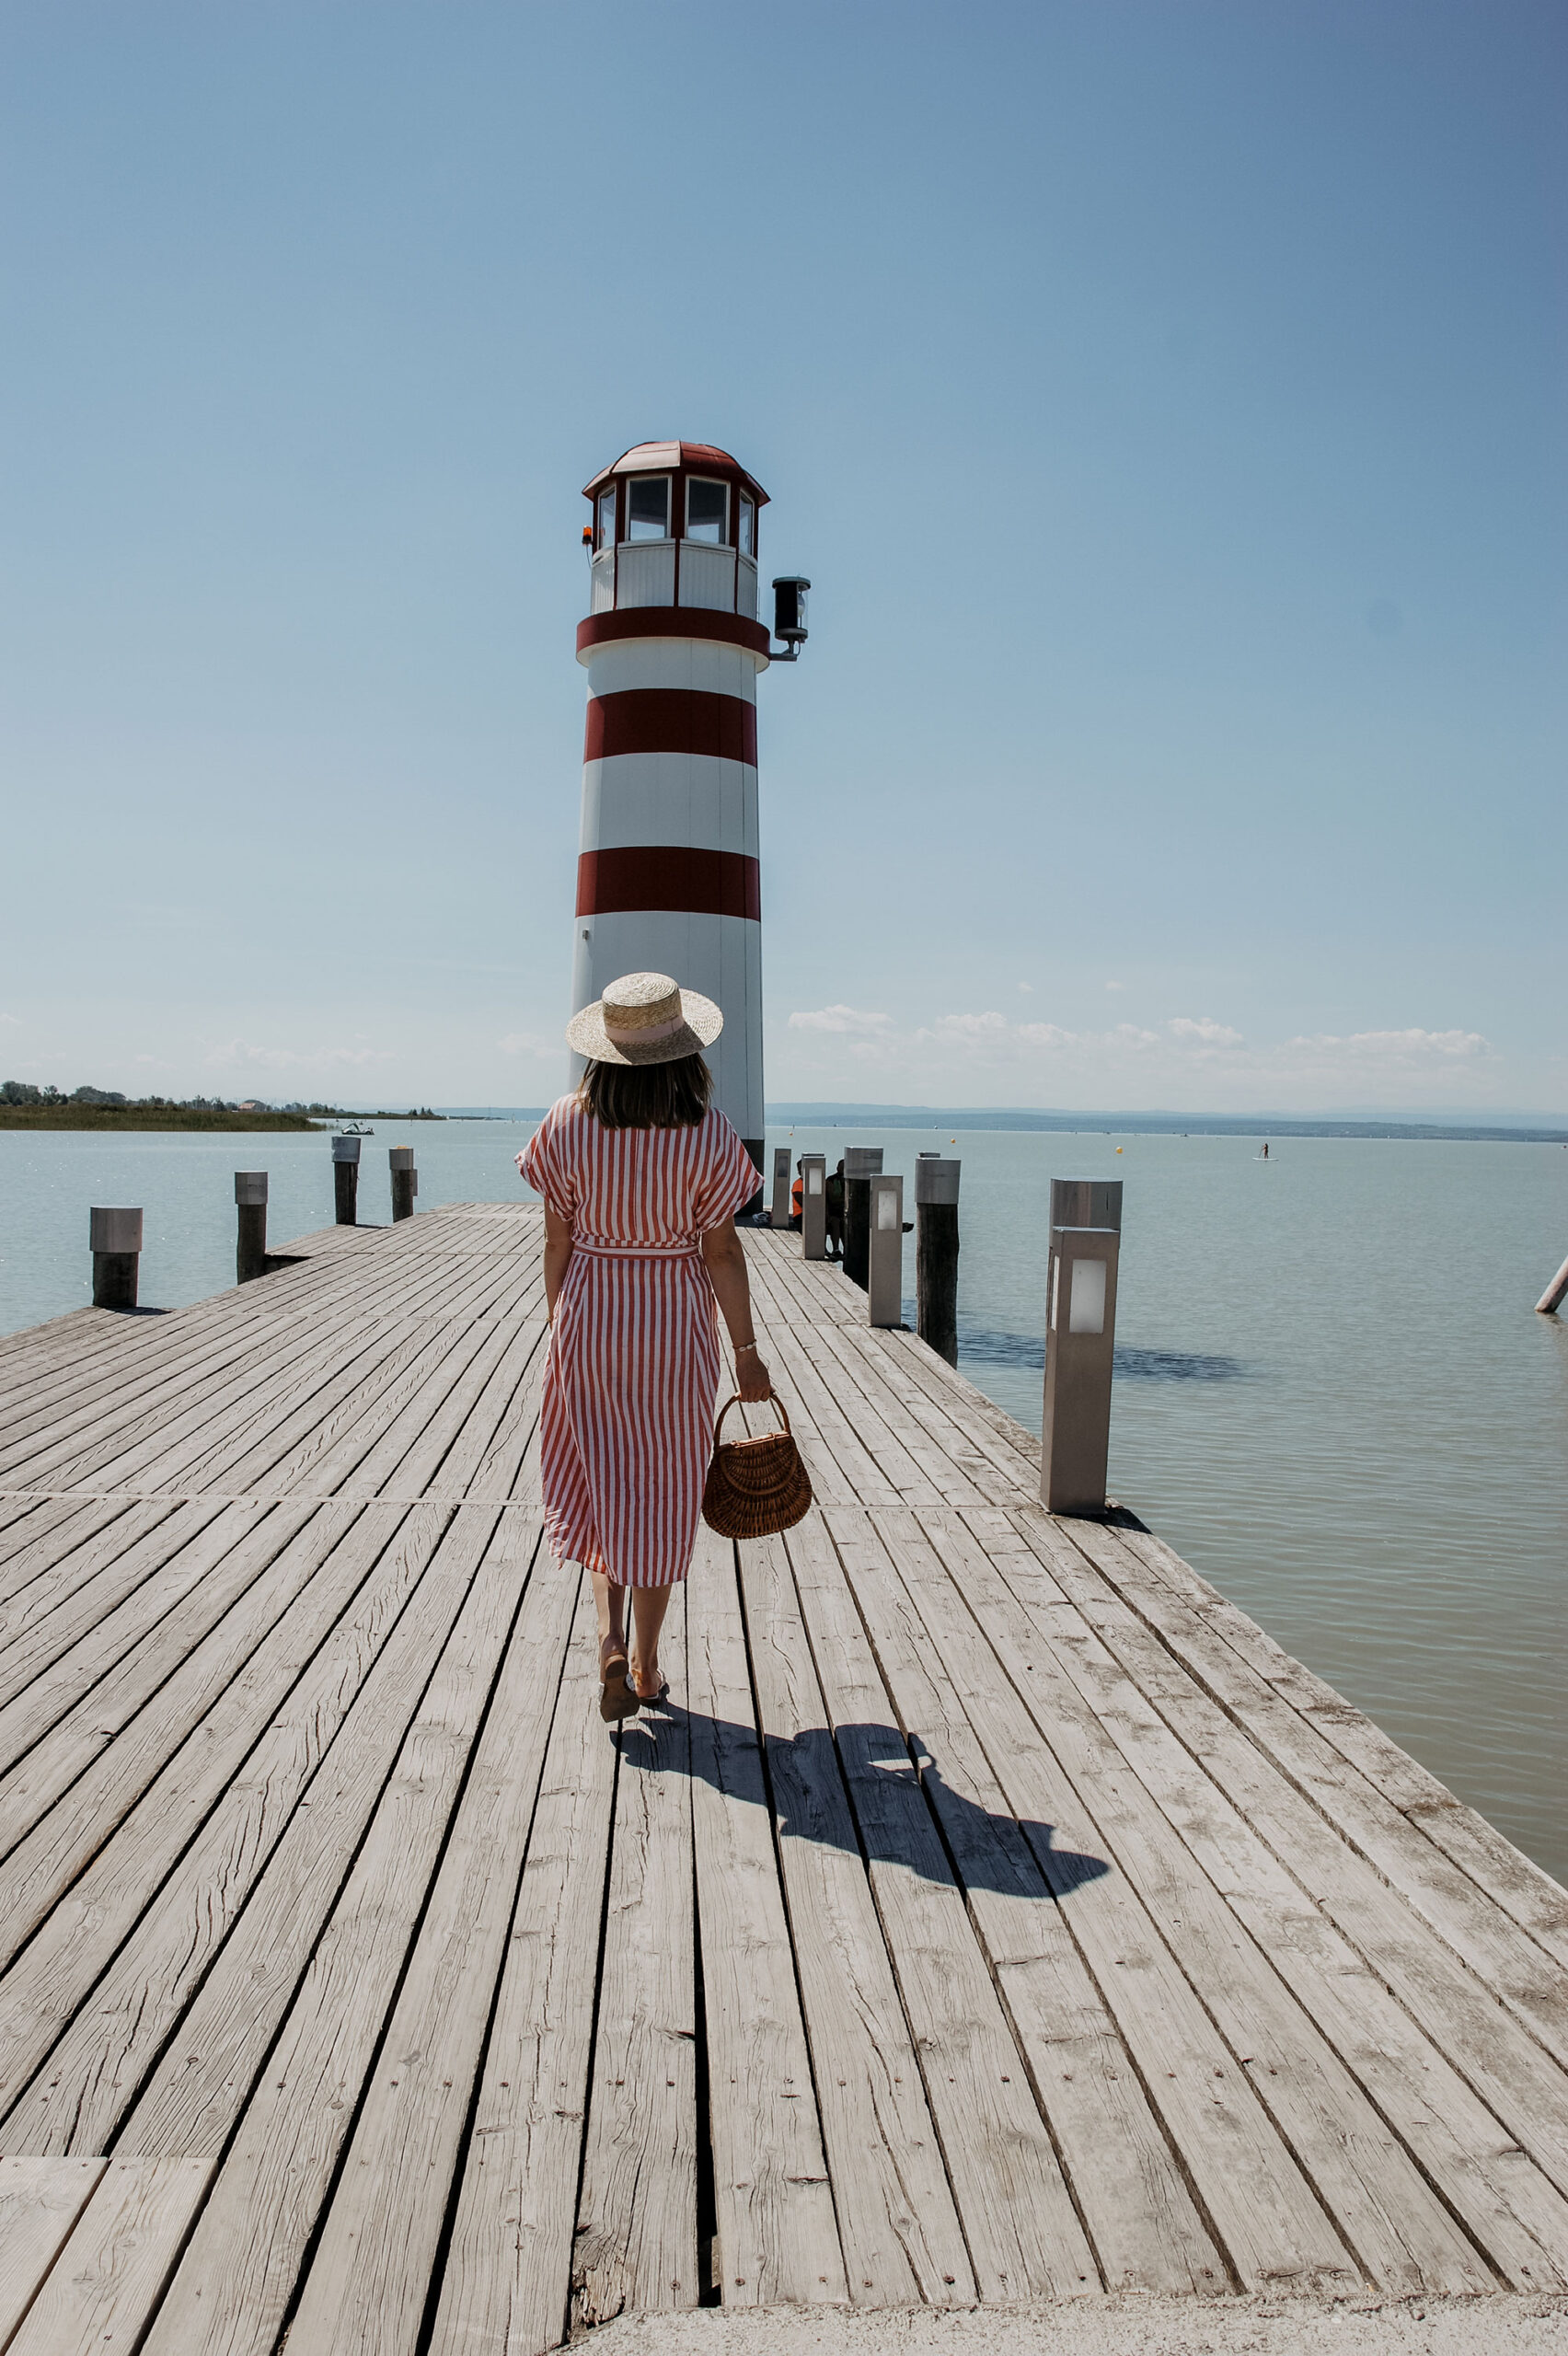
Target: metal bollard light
[(936, 1254), (405, 1180), (813, 1206), (250, 1250), (779, 1212), (884, 1269), (345, 1180), (115, 1237), (1080, 1340), (861, 1164)]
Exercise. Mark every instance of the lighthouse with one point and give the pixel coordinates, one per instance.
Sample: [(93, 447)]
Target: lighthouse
[(667, 875)]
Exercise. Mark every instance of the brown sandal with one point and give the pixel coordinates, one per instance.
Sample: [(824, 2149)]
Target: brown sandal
[(617, 1696)]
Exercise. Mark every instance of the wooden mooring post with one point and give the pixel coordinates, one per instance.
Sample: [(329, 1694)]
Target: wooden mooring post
[(345, 1180), (250, 1248), (936, 1253), (115, 1240), (861, 1164), (405, 1182)]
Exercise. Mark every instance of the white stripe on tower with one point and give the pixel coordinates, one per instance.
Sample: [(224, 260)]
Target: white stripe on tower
[(668, 873)]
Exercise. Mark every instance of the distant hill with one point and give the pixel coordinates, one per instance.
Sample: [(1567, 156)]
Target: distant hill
[(1194, 1124)]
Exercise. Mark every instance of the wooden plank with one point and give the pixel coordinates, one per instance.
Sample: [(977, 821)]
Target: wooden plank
[(166, 1885), (233, 2287), (876, 1359), (110, 1546), (1473, 1852), (636, 2249), (1497, 1995), (1503, 2201), (1023, 2234), (239, 1540), (1254, 2195), (331, 1430), (1430, 2095), (898, 2227), (40, 2201), (396, 1723), (775, 2241), (162, 1684), (370, 2273), (917, 1473), (263, 1422), (507, 2281), (111, 2273), (205, 1368), (219, 1380), (1129, 2190)]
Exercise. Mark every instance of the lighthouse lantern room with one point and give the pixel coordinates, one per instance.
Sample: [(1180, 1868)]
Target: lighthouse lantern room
[(668, 876)]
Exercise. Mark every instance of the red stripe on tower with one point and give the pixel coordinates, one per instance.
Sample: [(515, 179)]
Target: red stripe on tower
[(670, 719), (661, 875)]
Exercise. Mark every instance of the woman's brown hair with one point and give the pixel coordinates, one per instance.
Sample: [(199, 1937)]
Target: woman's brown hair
[(647, 1096)]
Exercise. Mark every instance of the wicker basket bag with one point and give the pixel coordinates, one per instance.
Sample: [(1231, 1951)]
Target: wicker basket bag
[(756, 1487)]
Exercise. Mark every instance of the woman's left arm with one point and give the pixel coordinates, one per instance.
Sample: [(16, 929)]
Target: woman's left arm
[(724, 1257), (558, 1252)]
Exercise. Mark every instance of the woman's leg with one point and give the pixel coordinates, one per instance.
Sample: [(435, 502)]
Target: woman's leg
[(609, 1600), (649, 1605)]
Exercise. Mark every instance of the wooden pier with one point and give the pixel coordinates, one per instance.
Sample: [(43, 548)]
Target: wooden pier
[(994, 1913)]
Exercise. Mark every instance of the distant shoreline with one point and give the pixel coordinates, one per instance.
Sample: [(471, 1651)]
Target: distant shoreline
[(148, 1116)]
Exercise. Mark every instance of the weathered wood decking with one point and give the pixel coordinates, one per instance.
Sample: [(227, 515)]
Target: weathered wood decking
[(994, 1914)]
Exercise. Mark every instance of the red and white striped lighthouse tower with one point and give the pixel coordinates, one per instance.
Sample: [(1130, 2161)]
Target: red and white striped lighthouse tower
[(667, 880)]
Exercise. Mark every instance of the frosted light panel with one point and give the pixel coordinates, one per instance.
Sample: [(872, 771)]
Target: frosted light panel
[(813, 1182), (887, 1210), (1086, 1314)]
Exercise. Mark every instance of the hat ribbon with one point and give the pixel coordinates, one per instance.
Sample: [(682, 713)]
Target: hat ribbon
[(630, 1034)]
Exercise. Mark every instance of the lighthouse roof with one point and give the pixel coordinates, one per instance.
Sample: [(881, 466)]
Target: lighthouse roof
[(665, 458)]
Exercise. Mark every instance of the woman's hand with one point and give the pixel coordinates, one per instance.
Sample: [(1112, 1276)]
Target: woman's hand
[(751, 1379)]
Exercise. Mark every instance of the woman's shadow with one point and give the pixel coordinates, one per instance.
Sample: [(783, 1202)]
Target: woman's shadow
[(869, 1792)]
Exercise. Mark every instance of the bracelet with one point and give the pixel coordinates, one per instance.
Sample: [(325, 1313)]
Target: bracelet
[(742, 1347)]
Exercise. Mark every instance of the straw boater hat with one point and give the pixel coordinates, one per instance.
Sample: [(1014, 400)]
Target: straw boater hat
[(644, 1019)]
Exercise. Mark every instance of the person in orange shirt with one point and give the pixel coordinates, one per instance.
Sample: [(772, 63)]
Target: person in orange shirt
[(797, 1191)]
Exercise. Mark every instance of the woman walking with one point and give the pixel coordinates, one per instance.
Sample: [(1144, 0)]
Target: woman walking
[(641, 1179)]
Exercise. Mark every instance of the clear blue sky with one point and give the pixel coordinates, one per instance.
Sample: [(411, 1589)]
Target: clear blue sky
[(1165, 400)]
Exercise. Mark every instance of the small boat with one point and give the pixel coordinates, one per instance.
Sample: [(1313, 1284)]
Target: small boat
[(352, 1129)]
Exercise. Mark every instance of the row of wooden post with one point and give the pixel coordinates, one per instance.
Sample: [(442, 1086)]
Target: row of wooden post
[(115, 1235), (874, 1234), (1080, 1317)]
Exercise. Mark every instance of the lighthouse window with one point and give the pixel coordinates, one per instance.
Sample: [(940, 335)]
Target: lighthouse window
[(708, 511), (648, 508), (607, 517), (746, 527)]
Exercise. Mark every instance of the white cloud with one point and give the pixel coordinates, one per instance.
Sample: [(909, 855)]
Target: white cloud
[(12, 1021), (848, 1021), (528, 1042), (1394, 1047), (1205, 1030), (241, 1055), (1115, 986)]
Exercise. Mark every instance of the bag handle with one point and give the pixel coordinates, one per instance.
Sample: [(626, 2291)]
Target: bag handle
[(734, 1401)]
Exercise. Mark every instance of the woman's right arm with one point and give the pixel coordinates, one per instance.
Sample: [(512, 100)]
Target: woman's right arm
[(558, 1252)]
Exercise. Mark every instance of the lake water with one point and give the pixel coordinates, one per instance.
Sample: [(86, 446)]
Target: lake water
[(1332, 1396)]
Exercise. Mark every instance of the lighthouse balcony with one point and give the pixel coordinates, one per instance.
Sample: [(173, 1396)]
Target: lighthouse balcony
[(673, 573)]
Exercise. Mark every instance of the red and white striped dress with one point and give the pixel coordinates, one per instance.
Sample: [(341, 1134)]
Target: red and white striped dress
[(631, 1377)]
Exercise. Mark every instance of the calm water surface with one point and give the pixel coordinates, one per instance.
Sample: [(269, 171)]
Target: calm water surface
[(1332, 1396)]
